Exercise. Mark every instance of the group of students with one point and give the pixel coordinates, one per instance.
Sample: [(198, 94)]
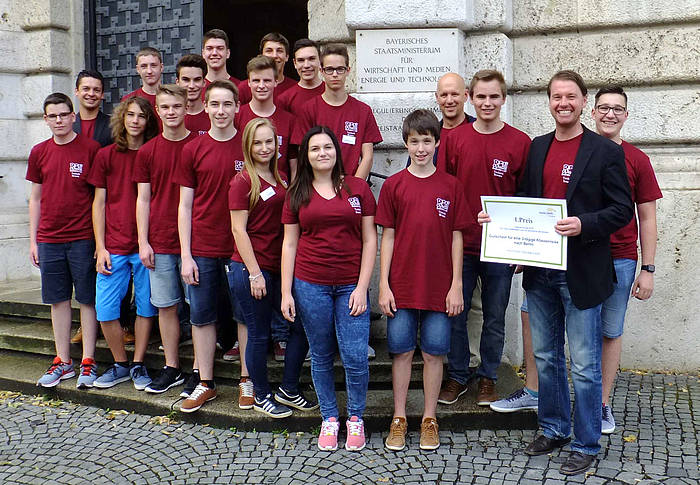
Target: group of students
[(271, 209)]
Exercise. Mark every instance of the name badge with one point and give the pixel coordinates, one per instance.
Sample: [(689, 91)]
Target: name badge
[(349, 139), (267, 193)]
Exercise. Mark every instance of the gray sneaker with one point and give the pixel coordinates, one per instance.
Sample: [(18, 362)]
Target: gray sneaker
[(140, 376), (608, 421), (56, 372), (114, 375), (518, 401)]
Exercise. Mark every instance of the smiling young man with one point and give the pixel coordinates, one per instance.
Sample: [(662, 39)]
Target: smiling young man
[(351, 120), (90, 121), (587, 170), (275, 46), (307, 62), (190, 71), (149, 66), (488, 157), (215, 50)]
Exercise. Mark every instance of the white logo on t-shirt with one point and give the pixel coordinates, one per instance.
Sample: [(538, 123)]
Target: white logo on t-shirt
[(76, 169), (355, 204), (351, 127), (238, 165), (566, 172), (442, 206), (500, 167)]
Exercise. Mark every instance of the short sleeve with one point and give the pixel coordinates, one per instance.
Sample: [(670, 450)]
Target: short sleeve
[(288, 215), (142, 166), (238, 192), (369, 205), (386, 212), (184, 172), (646, 187), (33, 168), (461, 212), (372, 133), (100, 167)]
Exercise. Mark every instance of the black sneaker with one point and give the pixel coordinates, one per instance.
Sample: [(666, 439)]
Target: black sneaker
[(268, 406), (168, 377), (297, 401), (191, 383)]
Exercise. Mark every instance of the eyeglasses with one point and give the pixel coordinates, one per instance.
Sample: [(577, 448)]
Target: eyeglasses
[(54, 117), (340, 70), (604, 109)]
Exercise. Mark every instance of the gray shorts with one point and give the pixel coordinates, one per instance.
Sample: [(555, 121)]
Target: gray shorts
[(166, 281)]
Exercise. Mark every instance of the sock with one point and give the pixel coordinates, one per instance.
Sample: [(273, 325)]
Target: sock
[(531, 392), (209, 384)]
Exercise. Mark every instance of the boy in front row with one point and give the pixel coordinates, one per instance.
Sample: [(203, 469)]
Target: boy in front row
[(423, 214)]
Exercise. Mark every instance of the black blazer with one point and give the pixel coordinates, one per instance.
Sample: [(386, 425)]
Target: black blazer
[(599, 195), (102, 133)]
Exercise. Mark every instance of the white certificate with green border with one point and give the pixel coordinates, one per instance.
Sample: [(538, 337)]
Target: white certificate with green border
[(521, 231)]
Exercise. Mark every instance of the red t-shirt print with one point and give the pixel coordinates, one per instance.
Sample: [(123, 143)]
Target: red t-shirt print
[(330, 242), (558, 167)]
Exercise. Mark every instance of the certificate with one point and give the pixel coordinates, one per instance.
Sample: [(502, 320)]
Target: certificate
[(521, 231)]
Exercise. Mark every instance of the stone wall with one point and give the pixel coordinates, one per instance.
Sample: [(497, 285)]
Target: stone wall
[(649, 47)]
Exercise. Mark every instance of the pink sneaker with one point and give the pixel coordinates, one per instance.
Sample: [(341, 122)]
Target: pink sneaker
[(356, 434), (328, 437)]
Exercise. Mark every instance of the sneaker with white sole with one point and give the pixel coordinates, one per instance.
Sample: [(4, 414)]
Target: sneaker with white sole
[(201, 394), (608, 421), (518, 401), (140, 376), (268, 406), (88, 374), (328, 436), (296, 401), (246, 393), (356, 434), (56, 372), (232, 354), (168, 377), (190, 384), (115, 374)]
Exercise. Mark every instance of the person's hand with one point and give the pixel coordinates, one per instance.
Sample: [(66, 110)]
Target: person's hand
[(569, 226), (358, 302), (482, 218), (643, 286), (147, 256), (257, 287), (387, 303), (190, 271), (34, 254), (454, 301), (104, 262), (288, 310)]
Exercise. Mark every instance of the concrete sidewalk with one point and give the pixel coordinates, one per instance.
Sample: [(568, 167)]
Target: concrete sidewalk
[(45, 441)]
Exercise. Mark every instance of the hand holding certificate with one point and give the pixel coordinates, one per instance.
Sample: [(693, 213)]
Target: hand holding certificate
[(522, 231)]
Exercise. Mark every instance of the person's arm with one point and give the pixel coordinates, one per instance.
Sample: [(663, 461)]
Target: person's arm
[(387, 303), (289, 254), (366, 161), (104, 262), (189, 269), (358, 298), (239, 223), (455, 300), (643, 286), (34, 213), (143, 213)]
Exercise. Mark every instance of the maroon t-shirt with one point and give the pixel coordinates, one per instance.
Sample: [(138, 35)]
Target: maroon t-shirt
[(87, 127), (198, 124), (644, 188), (330, 241), (424, 212), (207, 166), (441, 160), (112, 170), (353, 124), (155, 164), (295, 97), (66, 195), (264, 226), (207, 82), (485, 164), (558, 167), (283, 122), (245, 95), (151, 98)]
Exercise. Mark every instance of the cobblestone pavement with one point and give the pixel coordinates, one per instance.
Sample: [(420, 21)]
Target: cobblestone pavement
[(43, 441)]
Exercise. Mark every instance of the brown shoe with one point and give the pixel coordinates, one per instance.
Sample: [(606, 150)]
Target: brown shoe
[(129, 337), (396, 441), (486, 394), (451, 391), (201, 394), (429, 436), (78, 337), (246, 393)]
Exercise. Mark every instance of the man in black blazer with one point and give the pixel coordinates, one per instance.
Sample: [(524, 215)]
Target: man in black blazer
[(589, 171), (90, 120)]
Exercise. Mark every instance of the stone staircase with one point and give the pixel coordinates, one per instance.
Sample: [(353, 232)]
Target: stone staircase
[(26, 350)]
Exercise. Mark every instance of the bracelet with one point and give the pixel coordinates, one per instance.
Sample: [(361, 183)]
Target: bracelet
[(253, 278)]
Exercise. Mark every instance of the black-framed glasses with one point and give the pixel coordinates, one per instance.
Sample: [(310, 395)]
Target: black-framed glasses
[(55, 116), (340, 70), (605, 109)]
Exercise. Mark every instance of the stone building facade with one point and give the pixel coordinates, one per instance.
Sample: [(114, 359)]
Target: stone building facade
[(650, 47)]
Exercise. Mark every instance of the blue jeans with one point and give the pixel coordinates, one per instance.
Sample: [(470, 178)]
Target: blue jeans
[(402, 331), (551, 313), (615, 306), (326, 317), (495, 293), (258, 316), (204, 297)]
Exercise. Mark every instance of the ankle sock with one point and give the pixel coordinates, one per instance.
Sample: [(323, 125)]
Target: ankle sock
[(531, 392)]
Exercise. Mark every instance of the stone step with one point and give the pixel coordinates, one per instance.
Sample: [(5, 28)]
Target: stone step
[(19, 371)]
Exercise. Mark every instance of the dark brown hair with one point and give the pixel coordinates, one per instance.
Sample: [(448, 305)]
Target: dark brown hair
[(118, 126)]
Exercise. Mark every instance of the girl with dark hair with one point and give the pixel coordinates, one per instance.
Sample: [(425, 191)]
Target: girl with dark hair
[(256, 197), (329, 249)]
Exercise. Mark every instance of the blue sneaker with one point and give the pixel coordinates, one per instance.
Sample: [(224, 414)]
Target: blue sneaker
[(88, 374), (608, 421), (140, 376), (114, 375), (518, 401), (56, 372)]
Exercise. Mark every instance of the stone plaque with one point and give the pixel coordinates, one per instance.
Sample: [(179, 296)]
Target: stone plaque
[(405, 60)]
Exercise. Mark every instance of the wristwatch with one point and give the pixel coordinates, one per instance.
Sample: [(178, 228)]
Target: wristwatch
[(650, 268)]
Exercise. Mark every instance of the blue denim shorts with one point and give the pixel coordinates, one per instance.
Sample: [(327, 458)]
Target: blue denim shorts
[(402, 331), (67, 265), (110, 289), (612, 313), (166, 281), (204, 296)]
